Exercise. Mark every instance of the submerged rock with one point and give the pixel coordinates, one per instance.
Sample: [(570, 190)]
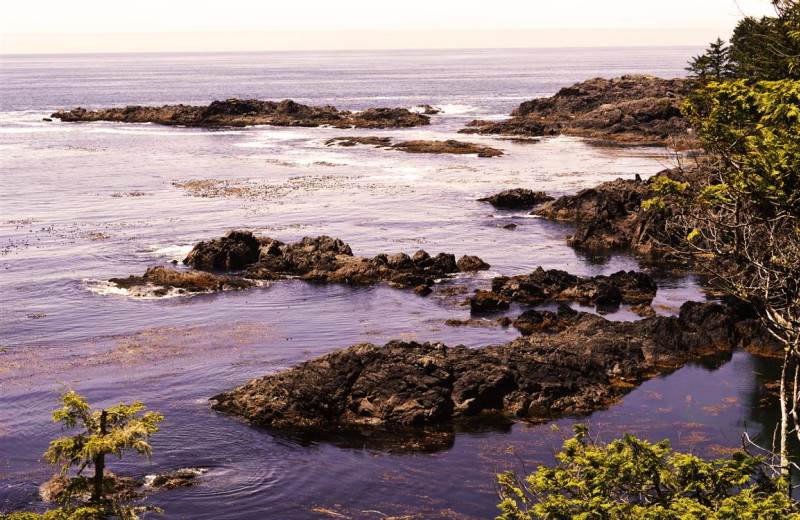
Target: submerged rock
[(245, 112), (581, 362), (428, 110), (628, 109), (159, 280), (448, 146), (184, 477), (554, 284), (352, 141), (517, 198)]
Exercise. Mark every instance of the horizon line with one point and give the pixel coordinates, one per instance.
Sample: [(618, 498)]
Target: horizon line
[(13, 44)]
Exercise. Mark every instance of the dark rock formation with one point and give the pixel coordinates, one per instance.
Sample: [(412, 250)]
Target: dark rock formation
[(517, 198), (159, 280), (629, 109), (586, 364), (554, 284), (610, 216), (235, 251), (448, 146), (245, 112), (324, 259)]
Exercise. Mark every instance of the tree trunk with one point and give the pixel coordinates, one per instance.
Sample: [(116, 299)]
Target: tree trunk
[(99, 465), (784, 439)]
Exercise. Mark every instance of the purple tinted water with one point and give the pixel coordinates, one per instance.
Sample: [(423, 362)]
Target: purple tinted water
[(85, 202)]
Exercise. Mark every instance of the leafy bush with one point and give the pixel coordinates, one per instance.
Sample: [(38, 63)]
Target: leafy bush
[(632, 479)]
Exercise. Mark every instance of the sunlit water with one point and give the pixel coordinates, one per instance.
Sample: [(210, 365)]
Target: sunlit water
[(85, 202)]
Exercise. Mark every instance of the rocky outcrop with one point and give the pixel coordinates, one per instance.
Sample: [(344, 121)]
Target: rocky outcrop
[(582, 363), (628, 109), (437, 147), (610, 216), (160, 281), (517, 198), (557, 285), (324, 259), (247, 112)]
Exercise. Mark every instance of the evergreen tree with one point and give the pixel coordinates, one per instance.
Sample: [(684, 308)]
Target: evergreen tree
[(714, 65), (101, 432)]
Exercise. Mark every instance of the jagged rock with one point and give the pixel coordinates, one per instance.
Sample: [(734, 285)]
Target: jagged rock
[(245, 112), (518, 198), (629, 109), (326, 260), (583, 362), (554, 284)]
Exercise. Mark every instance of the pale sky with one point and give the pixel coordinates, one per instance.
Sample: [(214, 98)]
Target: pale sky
[(207, 25)]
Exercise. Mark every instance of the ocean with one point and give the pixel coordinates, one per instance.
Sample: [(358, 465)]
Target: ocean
[(84, 202)]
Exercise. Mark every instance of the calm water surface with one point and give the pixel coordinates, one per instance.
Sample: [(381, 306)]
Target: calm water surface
[(85, 202)]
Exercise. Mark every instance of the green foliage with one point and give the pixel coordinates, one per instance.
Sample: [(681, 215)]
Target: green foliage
[(100, 432), (84, 512), (62, 513), (632, 479), (715, 64), (665, 189), (753, 128), (666, 186), (124, 430)]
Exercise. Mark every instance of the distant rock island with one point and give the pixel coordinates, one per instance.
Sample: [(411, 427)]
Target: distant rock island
[(248, 112), (450, 146), (629, 109)]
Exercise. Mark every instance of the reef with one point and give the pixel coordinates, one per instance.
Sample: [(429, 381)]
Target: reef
[(248, 112)]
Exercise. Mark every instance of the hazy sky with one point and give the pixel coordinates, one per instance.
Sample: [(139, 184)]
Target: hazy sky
[(106, 26)]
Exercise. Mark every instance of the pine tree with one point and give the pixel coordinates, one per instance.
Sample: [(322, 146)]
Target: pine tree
[(714, 65), (101, 432)]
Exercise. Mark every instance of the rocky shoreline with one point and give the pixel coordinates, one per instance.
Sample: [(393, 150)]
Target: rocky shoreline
[(564, 363), (632, 109), (248, 112), (567, 363)]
